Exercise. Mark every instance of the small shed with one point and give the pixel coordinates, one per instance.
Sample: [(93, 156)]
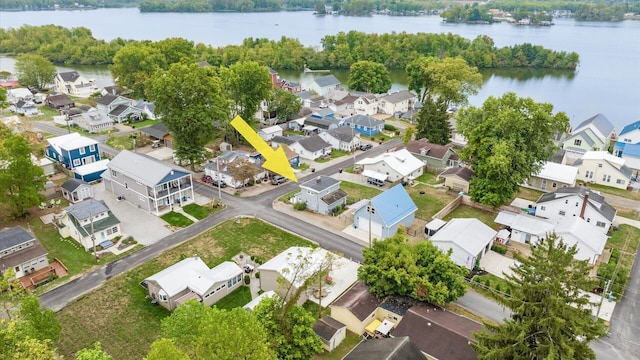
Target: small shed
[(433, 226), (76, 190), (330, 331)]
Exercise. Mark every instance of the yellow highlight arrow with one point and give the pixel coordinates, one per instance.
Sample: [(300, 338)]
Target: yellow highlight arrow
[(276, 160)]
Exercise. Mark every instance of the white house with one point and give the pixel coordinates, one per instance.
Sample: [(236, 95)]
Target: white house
[(393, 166), (93, 121), (588, 239), (19, 94), (525, 228), (365, 104), (468, 238), (269, 132), (342, 138), (600, 167), (90, 223), (72, 83), (576, 202), (322, 195), (399, 101), (311, 147), (76, 190), (322, 85), (553, 176), (190, 279), (222, 168)]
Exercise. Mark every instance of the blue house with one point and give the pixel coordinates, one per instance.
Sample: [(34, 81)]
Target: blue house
[(91, 172), (73, 150), (364, 124), (630, 134), (386, 212)]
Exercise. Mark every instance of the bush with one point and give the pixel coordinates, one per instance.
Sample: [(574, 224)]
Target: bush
[(499, 249), (247, 279), (300, 206), (258, 275), (498, 288), (487, 283), (397, 132), (389, 127)]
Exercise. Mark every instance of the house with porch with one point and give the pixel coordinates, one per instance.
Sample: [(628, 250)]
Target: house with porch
[(90, 223), (553, 176), (322, 195), (21, 251), (435, 156), (76, 190), (467, 238), (190, 279), (223, 167), (152, 185), (118, 108), (311, 147), (73, 150), (602, 168), (72, 83), (59, 102), (384, 213), (322, 85), (364, 124), (395, 166), (342, 138), (396, 102), (93, 121)]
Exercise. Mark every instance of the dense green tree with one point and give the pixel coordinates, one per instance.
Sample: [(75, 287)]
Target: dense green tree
[(14, 344), (202, 332), (164, 349), (40, 323), (189, 99), (421, 271), (247, 84), (432, 122), (176, 49), (550, 312), (10, 292), (370, 77), (449, 79), (134, 64), (508, 139), (21, 180), (284, 103), (3, 99), (34, 70), (95, 353), (319, 7), (408, 135)]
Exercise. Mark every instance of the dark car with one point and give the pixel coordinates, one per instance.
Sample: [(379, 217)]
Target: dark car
[(248, 268), (207, 179), (365, 147), (278, 180), (219, 183)]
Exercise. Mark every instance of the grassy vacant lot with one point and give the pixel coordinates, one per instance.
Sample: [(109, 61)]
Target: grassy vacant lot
[(358, 192), (199, 212), (431, 201), (464, 211), (125, 142), (119, 316), (176, 219)]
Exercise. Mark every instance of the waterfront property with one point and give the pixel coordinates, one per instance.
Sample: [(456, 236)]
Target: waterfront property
[(72, 83), (395, 166), (600, 167)]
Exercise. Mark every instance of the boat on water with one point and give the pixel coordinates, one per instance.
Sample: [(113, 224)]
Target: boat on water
[(307, 70)]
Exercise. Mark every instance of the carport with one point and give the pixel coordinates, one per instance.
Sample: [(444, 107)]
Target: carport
[(374, 174)]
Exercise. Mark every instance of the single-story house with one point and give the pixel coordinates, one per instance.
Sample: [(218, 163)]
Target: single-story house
[(90, 223), (322, 195), (311, 147), (525, 228), (356, 308), (159, 131), (292, 156), (26, 108), (59, 101), (457, 178), (20, 250), (93, 121), (436, 157), (91, 172), (322, 85), (191, 278), (553, 176), (342, 138), (76, 190), (269, 132), (468, 238), (316, 125), (385, 212), (394, 166), (19, 94), (330, 331), (364, 124), (386, 348)]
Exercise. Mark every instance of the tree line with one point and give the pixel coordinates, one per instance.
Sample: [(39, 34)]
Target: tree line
[(64, 4)]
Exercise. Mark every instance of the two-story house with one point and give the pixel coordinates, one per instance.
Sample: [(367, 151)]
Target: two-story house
[(365, 125), (148, 183), (395, 166), (72, 83), (365, 104), (73, 150), (436, 157), (628, 146), (322, 85), (342, 138), (116, 107), (576, 202), (397, 102), (592, 134), (20, 250), (90, 223), (93, 121), (322, 195), (601, 167)]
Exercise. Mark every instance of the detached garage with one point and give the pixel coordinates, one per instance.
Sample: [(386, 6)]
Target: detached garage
[(469, 239)]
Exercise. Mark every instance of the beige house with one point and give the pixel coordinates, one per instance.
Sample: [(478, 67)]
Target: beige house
[(399, 101), (191, 278), (553, 176), (603, 168), (457, 178), (72, 83), (356, 308), (89, 217)]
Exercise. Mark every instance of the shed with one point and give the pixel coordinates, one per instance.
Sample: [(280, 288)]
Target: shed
[(330, 331)]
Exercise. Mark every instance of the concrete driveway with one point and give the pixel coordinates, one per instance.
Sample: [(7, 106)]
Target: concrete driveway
[(145, 228), (497, 264)]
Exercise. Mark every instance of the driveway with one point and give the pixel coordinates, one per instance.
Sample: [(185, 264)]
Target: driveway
[(145, 228)]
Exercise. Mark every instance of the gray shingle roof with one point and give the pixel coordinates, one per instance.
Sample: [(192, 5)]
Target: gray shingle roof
[(325, 81), (320, 183), (22, 256), (435, 151), (600, 122), (323, 123), (314, 143), (395, 348), (145, 169), (334, 196), (327, 327), (85, 209), (107, 99), (10, 237), (343, 133), (596, 200), (288, 140), (364, 120), (462, 172), (157, 130), (358, 300), (305, 95), (72, 184), (398, 96), (69, 76)]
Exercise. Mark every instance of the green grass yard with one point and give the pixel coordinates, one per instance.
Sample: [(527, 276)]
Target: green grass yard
[(238, 298), (618, 239), (334, 155), (176, 219), (357, 192), (199, 212), (350, 341), (464, 211)]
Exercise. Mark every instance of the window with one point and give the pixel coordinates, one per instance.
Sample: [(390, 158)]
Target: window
[(606, 178), (577, 142), (114, 173), (599, 165), (126, 186), (82, 151), (554, 185), (619, 181), (230, 283), (92, 148), (543, 208), (562, 213), (76, 162), (600, 224), (627, 140)]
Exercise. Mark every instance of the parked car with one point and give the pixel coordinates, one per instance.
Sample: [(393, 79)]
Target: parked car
[(248, 268), (276, 180), (374, 181), (219, 183), (365, 147), (207, 179)]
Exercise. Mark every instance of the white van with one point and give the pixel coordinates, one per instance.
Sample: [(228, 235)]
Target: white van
[(374, 181)]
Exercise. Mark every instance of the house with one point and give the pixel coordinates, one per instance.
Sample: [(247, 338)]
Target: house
[(391, 348), (467, 238), (330, 331), (344, 105), (223, 168), (26, 108), (19, 94), (72, 83), (601, 167), (269, 132), (285, 140), (93, 121), (59, 102), (439, 333), (90, 223), (457, 138), (457, 178), (314, 125), (587, 238), (630, 135), (592, 134), (288, 271), (435, 156), (112, 89), (292, 156), (399, 101), (159, 131), (75, 190), (365, 104), (342, 138), (190, 279), (322, 85), (365, 125), (144, 109), (118, 108), (73, 150), (576, 202), (91, 172), (356, 308), (322, 195), (20, 250), (394, 166), (311, 147), (552, 176), (525, 228), (385, 212), (314, 101), (148, 183)]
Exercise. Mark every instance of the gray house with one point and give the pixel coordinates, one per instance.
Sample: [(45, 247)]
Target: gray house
[(20, 250), (436, 157), (151, 184), (322, 194), (76, 190), (93, 121), (324, 84)]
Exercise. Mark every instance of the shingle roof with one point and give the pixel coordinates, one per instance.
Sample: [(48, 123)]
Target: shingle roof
[(22, 256), (398, 96), (107, 99), (145, 169), (358, 300), (364, 120), (323, 123), (600, 122), (10, 237), (72, 184), (305, 95), (288, 140), (435, 151), (393, 348), (596, 200), (320, 183), (157, 130), (70, 141), (470, 234), (118, 110), (326, 327), (334, 196), (95, 117), (69, 76), (462, 172), (60, 100), (87, 208), (313, 143), (349, 99), (343, 133), (325, 81), (393, 205)]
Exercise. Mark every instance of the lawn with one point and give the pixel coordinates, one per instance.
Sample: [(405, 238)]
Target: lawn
[(312, 308), (618, 239), (334, 155), (429, 203), (349, 342), (490, 286), (464, 211), (286, 197), (199, 212), (428, 178), (615, 191), (47, 114), (122, 319), (528, 194), (125, 142), (176, 219), (238, 298), (357, 192), (142, 124)]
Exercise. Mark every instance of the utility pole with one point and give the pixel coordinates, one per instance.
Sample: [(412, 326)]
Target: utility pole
[(613, 278), (370, 210)]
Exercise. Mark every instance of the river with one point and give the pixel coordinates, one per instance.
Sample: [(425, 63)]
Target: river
[(606, 80)]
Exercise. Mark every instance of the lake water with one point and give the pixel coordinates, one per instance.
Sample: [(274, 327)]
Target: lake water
[(606, 80)]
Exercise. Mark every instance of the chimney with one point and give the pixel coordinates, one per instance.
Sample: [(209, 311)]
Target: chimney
[(584, 204), (318, 179)]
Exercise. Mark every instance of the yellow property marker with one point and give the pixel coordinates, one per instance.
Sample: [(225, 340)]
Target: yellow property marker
[(276, 160)]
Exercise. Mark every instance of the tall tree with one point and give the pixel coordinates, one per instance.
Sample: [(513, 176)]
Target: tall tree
[(369, 76), (134, 64), (14, 344), (20, 180), (189, 99), (433, 121), (247, 84), (41, 323), (3, 99), (243, 171), (176, 49), (508, 139), (34, 70), (450, 79), (421, 271), (284, 103), (550, 312), (409, 134)]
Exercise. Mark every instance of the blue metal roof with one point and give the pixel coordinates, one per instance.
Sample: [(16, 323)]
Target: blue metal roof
[(394, 205), (630, 128), (631, 150)]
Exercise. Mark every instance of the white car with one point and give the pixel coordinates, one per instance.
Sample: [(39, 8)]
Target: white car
[(248, 268)]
